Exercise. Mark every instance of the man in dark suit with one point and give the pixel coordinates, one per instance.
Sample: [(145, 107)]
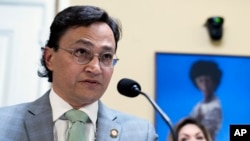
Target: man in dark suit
[(78, 60)]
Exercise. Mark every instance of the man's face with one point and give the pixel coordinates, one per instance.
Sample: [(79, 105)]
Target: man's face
[(79, 84)]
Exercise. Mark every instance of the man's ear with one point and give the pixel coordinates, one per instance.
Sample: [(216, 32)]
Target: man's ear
[(48, 57)]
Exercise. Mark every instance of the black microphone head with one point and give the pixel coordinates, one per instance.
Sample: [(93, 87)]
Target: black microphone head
[(128, 87)]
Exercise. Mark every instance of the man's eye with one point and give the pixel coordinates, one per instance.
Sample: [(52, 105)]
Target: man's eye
[(107, 56), (81, 52)]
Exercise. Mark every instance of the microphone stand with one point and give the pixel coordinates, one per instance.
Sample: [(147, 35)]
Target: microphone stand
[(163, 115)]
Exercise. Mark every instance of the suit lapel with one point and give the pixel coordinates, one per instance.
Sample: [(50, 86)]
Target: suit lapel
[(107, 127), (38, 120)]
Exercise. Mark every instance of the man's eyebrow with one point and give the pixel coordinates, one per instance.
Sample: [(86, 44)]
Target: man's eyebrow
[(108, 48), (89, 44), (83, 41)]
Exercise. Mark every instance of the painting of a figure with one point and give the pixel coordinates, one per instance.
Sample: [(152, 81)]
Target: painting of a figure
[(213, 89)]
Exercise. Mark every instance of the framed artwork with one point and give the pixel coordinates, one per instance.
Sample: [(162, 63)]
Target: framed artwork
[(217, 102)]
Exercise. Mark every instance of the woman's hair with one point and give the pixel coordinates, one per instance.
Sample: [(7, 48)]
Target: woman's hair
[(72, 17), (209, 68), (186, 121)]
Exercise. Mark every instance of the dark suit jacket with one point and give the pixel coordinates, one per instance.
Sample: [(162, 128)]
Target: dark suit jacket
[(33, 122)]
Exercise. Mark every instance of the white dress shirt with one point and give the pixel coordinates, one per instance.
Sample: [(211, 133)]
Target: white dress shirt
[(59, 107)]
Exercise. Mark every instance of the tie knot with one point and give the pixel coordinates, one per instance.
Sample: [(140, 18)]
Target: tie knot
[(76, 115)]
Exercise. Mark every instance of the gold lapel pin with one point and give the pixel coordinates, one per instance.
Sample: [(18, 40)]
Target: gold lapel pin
[(113, 133)]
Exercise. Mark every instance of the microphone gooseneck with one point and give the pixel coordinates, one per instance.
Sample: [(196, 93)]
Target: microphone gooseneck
[(131, 88)]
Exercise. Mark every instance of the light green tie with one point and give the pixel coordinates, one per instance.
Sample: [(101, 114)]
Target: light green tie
[(77, 130)]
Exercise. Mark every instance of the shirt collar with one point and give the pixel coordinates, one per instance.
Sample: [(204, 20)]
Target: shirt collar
[(59, 107)]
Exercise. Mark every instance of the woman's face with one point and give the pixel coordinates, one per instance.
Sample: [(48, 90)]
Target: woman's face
[(205, 84), (191, 132)]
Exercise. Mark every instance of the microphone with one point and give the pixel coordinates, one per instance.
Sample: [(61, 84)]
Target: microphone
[(128, 87), (131, 88)]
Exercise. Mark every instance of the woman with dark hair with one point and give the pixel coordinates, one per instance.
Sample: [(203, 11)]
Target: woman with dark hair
[(189, 129), (206, 77)]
